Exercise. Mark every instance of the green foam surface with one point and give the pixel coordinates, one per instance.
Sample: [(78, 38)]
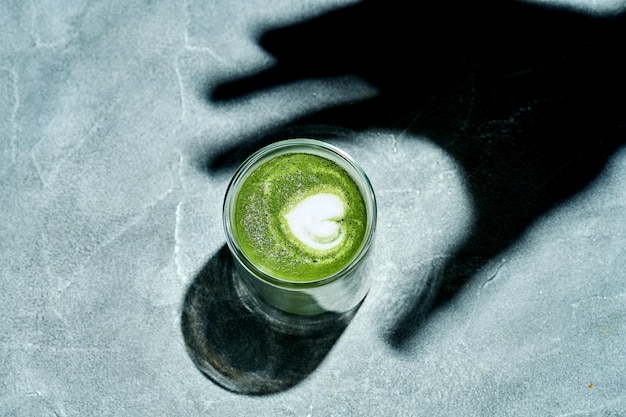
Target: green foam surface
[(272, 191)]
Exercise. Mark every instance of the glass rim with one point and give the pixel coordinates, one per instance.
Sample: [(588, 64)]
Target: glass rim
[(299, 145)]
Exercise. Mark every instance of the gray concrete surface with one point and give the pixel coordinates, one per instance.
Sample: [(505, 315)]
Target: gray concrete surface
[(500, 260)]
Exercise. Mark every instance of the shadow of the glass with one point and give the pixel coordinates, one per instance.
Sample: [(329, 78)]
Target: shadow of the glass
[(237, 346)]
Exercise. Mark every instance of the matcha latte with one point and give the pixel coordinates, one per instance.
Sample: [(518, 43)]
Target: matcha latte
[(300, 215)]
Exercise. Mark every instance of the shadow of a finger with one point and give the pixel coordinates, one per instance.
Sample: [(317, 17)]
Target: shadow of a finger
[(243, 86), (337, 123)]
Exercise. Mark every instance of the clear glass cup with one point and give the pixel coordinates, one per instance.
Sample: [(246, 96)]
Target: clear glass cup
[(302, 302)]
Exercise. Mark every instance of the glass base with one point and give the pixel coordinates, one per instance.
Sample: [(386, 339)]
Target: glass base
[(295, 324)]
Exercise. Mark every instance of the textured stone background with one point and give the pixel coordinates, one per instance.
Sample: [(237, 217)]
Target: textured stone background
[(499, 268)]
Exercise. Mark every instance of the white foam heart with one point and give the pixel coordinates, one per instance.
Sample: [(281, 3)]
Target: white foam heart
[(315, 221)]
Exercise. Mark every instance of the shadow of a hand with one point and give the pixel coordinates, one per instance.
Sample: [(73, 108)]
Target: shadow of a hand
[(522, 97)]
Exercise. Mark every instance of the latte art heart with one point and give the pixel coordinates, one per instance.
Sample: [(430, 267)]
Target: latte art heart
[(316, 221)]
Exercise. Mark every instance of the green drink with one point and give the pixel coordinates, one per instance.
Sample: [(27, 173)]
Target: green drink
[(299, 217)]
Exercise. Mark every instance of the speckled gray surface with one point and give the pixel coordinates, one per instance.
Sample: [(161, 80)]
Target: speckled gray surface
[(495, 149)]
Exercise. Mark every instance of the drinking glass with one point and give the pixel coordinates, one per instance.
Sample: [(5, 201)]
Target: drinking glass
[(301, 302)]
